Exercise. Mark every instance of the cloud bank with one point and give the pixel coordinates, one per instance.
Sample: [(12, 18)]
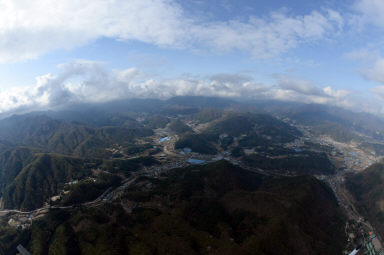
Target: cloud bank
[(29, 29), (90, 82), (372, 69)]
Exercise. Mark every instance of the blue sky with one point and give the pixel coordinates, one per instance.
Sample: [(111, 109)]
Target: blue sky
[(328, 52)]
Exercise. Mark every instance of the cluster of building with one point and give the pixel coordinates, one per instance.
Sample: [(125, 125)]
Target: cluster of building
[(22, 222), (373, 246)]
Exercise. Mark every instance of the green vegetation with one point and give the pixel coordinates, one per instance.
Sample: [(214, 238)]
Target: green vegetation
[(11, 237), (254, 140), (304, 163), (42, 176), (259, 129), (90, 189), (156, 121), (207, 115), (225, 142), (12, 162), (201, 143), (42, 179), (368, 190), (126, 166), (212, 209), (252, 130), (233, 125), (178, 127), (68, 138), (133, 149), (336, 131), (237, 152), (92, 142)]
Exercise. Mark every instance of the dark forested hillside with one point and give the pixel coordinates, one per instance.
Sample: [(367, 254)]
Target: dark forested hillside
[(368, 190), (299, 163), (263, 125), (41, 179), (214, 209), (58, 136)]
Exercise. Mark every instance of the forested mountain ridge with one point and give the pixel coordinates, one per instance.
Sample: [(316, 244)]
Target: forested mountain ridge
[(219, 206)]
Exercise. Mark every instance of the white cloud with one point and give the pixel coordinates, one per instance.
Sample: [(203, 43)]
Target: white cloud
[(364, 55), (375, 72), (90, 82), (28, 29), (271, 36), (290, 88), (371, 11), (379, 102), (379, 91), (31, 28), (368, 15), (302, 86), (372, 64), (336, 93)]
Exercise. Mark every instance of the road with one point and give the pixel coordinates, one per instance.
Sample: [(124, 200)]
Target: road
[(105, 197), (111, 192)]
